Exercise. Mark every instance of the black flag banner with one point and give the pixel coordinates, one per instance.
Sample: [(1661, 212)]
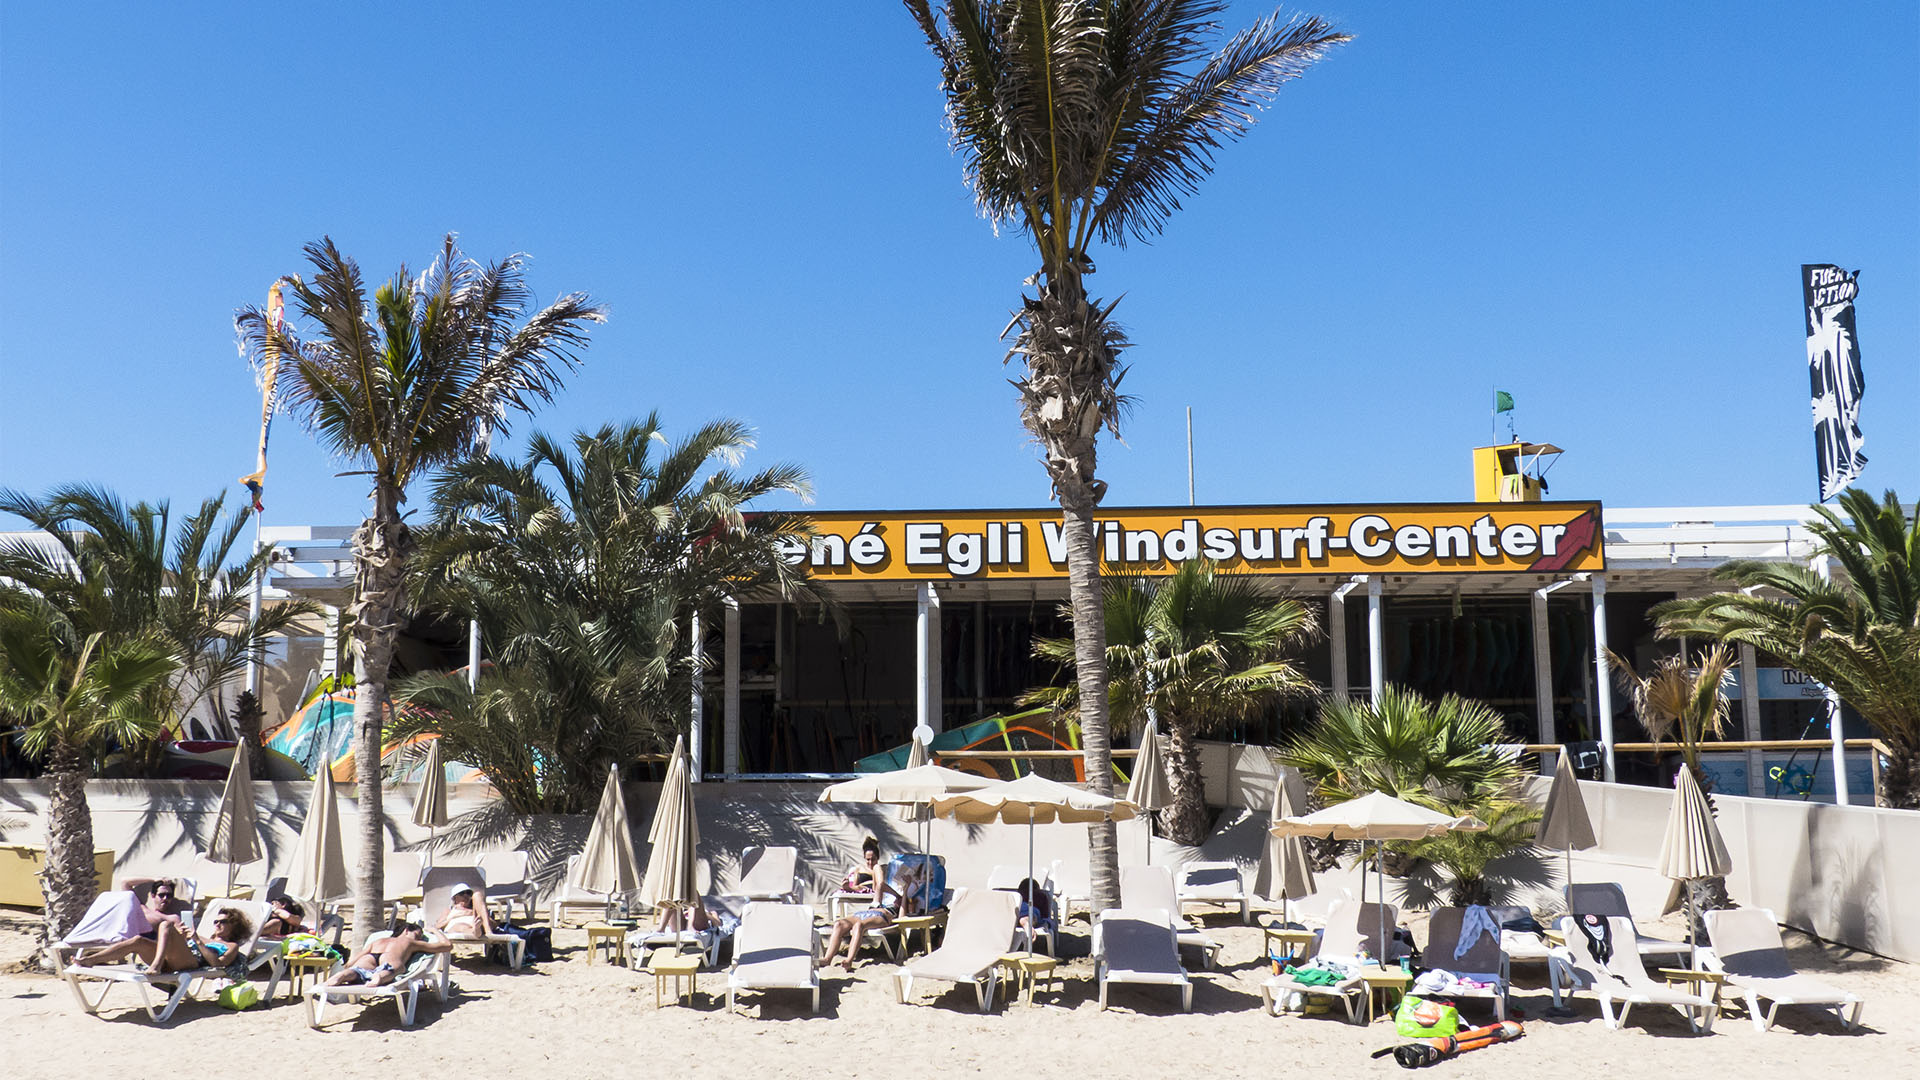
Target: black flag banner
[(1833, 361)]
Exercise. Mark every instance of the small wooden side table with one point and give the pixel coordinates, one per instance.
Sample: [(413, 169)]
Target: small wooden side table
[(1384, 980), (1295, 942), (611, 938), (923, 923), (1694, 980), (299, 968), (668, 965), (1024, 969)]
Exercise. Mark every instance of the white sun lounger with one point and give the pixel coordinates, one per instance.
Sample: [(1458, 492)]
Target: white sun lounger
[(1608, 900), (1747, 949), (423, 969), (773, 950), (1350, 925), (1215, 883), (979, 927), (173, 987), (1486, 958), (1134, 946), (769, 873), (1146, 888), (1621, 981)]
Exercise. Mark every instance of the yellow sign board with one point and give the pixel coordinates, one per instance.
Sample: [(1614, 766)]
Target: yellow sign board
[(1402, 538)]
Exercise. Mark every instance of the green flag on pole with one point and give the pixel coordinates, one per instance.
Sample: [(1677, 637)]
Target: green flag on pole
[(1502, 401)]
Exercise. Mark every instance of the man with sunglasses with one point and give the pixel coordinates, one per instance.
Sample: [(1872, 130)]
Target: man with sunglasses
[(159, 904)]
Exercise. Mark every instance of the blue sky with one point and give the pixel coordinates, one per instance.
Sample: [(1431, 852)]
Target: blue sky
[(1600, 209)]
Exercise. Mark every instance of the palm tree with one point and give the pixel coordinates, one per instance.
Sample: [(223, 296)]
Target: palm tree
[(1859, 635), (1202, 650), (1081, 121), (1469, 858), (126, 572), (582, 568), (1685, 703), (71, 693), (411, 382)]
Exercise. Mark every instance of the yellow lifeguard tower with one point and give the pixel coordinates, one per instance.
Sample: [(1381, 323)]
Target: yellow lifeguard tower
[(1512, 472)]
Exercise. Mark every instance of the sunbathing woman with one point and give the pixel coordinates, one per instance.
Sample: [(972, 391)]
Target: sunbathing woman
[(889, 903), (467, 918), (175, 949), (382, 961), (285, 916), (861, 876)]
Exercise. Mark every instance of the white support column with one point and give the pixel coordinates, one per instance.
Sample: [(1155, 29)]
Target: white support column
[(1750, 721), (1376, 638), (926, 657), (1838, 726), (1602, 677), (730, 694), (1337, 634), (330, 647), (980, 660), (697, 727), (473, 654), (1543, 664)]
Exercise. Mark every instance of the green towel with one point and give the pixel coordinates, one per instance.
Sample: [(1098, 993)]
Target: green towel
[(1313, 976)]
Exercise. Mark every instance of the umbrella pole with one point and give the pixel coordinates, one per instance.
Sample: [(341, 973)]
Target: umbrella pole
[(1024, 899)]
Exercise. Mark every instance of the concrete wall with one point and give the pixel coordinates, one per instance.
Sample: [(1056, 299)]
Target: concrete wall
[(1847, 874)]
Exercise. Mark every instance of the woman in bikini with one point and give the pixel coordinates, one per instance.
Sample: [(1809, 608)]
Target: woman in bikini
[(467, 918), (382, 961), (174, 948), (890, 901)]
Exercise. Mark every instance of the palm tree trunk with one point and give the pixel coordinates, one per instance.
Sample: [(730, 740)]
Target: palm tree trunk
[(381, 547), (68, 880), (247, 714), (1090, 663), (1186, 819)]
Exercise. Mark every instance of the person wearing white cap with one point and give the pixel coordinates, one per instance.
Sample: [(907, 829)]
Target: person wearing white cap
[(467, 917)]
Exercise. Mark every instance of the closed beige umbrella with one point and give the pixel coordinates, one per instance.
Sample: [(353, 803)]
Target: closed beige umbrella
[(608, 863), (672, 869), (1032, 800), (1286, 873), (1565, 825), (430, 801), (1148, 788), (1375, 816), (236, 827), (1692, 848), (319, 870)]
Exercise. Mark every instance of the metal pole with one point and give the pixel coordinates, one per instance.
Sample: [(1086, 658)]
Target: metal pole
[(1376, 638), (1603, 682), (730, 691), (253, 611), (473, 654), (698, 726), (1189, 455), (1837, 724)]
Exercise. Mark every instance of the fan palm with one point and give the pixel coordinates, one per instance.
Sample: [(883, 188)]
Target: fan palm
[(582, 568), (1080, 121), (1199, 649), (1443, 755), (72, 692), (1859, 635), (410, 382), (126, 572)]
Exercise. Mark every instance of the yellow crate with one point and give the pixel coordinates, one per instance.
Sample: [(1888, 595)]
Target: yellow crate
[(20, 866)]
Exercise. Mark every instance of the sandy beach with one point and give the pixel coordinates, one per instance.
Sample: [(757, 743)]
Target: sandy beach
[(571, 1018)]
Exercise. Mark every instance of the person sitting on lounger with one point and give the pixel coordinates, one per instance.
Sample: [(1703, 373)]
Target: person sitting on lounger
[(1036, 909), (891, 900), (285, 916), (862, 875), (174, 948), (382, 961), (467, 917), (159, 904), (674, 919)]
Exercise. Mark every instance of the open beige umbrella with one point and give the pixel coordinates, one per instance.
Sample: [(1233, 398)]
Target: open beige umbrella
[(608, 863), (672, 875), (236, 827), (1286, 873), (1032, 800), (1148, 789), (1692, 848), (1376, 817), (1565, 826), (319, 870), (904, 787), (430, 801)]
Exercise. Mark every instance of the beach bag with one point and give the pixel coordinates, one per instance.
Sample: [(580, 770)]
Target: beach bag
[(1421, 1018), (537, 950), (238, 996)]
